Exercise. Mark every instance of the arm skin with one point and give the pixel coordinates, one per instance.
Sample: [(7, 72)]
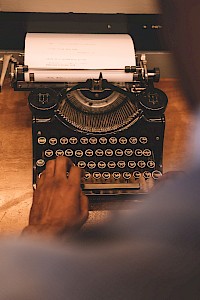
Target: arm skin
[(59, 206)]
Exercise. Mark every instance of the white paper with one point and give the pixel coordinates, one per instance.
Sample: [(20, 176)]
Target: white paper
[(78, 57)]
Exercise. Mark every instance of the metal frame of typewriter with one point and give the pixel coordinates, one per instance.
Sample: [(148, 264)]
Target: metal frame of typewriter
[(149, 121)]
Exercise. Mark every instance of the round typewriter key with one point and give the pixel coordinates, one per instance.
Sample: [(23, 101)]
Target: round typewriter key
[(99, 152), (147, 174), (143, 139), (91, 164), (78, 153), (93, 140), (109, 152), (73, 140), (69, 152), (123, 140), (106, 175), (116, 175), (48, 153), (81, 164), (128, 152), (156, 174), (42, 140), (64, 140), (111, 164), (40, 162), (133, 140), (96, 175), (84, 140), (121, 164), (141, 164), (89, 152), (136, 174), (138, 152), (151, 164), (147, 152), (119, 152), (101, 164), (126, 175), (103, 140), (87, 175), (132, 164), (113, 140), (53, 141), (59, 152)]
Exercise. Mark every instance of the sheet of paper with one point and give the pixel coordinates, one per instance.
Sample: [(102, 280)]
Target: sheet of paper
[(78, 57)]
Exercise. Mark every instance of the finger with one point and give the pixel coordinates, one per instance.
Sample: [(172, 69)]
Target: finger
[(50, 169), (40, 179), (62, 165), (74, 177), (84, 205)]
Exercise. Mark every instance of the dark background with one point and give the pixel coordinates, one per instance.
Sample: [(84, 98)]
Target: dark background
[(146, 30)]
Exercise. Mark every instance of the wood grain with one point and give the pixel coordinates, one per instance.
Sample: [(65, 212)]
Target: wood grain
[(16, 151)]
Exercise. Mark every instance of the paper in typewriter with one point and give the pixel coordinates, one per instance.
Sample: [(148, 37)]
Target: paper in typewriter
[(78, 57)]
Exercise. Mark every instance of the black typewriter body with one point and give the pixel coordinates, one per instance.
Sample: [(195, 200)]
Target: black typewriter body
[(115, 134)]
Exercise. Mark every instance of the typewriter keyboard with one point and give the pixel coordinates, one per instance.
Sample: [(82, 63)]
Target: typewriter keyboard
[(105, 159)]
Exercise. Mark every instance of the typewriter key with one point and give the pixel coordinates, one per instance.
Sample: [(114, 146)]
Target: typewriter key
[(147, 174), (147, 152), (136, 174), (106, 175), (91, 164), (96, 175), (101, 164), (121, 164), (116, 175), (81, 164), (133, 140), (69, 152), (42, 140), (48, 153), (126, 175), (84, 140), (78, 153), (64, 140), (73, 140), (143, 139), (93, 140), (53, 141), (119, 152), (138, 152), (109, 152), (59, 152), (132, 164), (113, 140), (128, 152), (111, 164), (103, 140), (87, 175), (40, 162), (99, 152), (156, 174), (123, 140), (89, 152), (151, 164), (141, 164)]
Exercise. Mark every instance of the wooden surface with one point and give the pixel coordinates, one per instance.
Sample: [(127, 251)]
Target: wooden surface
[(16, 152)]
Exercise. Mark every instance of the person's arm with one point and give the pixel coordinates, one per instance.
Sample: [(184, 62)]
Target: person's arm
[(59, 206)]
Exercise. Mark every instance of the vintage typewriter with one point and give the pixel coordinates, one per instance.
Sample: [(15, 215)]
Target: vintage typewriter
[(113, 130)]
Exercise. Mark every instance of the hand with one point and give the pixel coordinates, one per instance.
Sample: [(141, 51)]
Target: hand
[(59, 206)]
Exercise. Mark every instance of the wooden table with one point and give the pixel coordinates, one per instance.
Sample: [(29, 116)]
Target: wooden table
[(16, 152)]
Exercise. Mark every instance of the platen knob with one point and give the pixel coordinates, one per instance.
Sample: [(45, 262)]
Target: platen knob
[(153, 102), (43, 102)]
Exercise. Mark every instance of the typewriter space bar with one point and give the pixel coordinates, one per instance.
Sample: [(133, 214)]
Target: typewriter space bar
[(111, 186)]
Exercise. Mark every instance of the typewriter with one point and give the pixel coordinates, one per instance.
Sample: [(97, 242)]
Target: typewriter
[(112, 130)]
